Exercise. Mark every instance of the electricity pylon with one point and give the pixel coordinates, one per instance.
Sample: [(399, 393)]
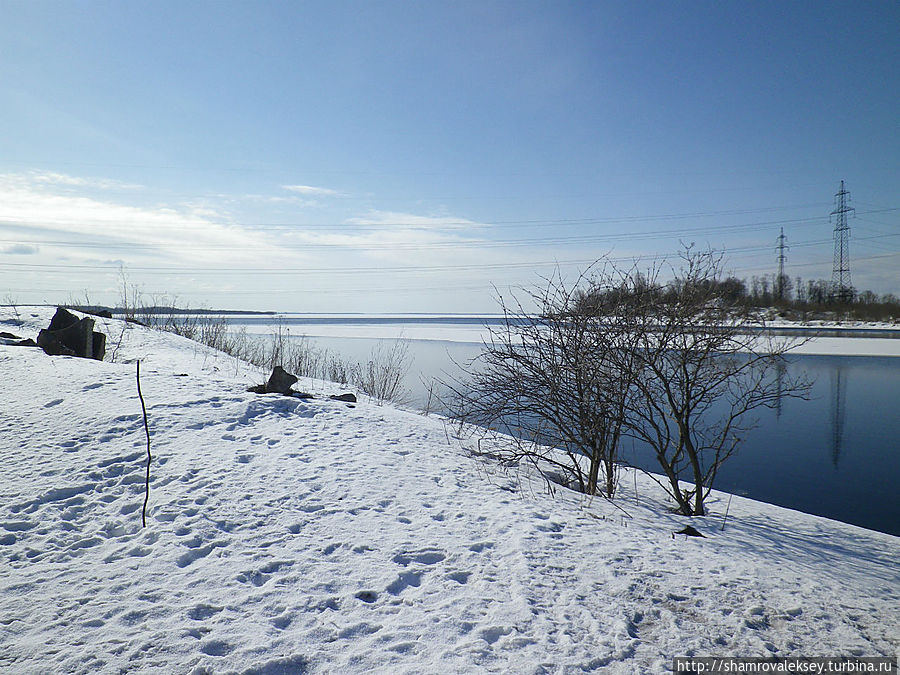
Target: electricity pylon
[(780, 279), (841, 288)]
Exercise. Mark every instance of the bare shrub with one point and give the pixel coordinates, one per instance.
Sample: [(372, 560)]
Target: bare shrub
[(618, 354), (382, 375), (548, 378), (338, 370), (698, 366)]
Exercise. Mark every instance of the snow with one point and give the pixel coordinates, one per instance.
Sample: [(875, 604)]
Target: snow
[(309, 536), (850, 346)]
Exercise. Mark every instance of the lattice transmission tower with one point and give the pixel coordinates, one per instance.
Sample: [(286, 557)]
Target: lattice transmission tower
[(841, 288), (781, 280)]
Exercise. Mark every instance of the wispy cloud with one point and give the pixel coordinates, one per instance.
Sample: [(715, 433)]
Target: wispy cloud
[(41, 213), (391, 220), (19, 249), (64, 221), (52, 178), (311, 191)]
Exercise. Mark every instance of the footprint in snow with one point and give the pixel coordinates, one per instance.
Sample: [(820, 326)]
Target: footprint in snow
[(201, 612), (425, 556), (191, 555), (263, 574), (216, 648), (403, 581), (459, 577), (367, 596), (491, 635), (282, 622)]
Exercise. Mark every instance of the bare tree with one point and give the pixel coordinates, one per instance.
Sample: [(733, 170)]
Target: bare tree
[(678, 367), (699, 367), (547, 379)]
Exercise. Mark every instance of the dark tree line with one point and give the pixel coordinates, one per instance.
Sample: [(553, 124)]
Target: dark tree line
[(797, 298), (794, 296)]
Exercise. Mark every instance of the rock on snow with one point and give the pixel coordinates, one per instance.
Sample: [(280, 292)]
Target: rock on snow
[(295, 536)]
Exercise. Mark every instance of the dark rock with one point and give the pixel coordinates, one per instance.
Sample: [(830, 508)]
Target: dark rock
[(53, 347), (77, 338), (346, 398), (62, 319), (690, 532), (11, 340), (98, 345), (257, 389), (68, 335), (280, 381), (302, 394)]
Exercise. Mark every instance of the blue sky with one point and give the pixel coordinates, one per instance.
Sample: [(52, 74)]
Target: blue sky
[(412, 156)]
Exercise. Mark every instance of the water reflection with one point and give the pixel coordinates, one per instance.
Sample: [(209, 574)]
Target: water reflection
[(838, 411), (780, 372)]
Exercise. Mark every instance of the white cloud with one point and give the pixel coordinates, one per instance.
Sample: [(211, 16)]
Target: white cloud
[(19, 249), (62, 221), (52, 178), (310, 191), (72, 224), (399, 220)]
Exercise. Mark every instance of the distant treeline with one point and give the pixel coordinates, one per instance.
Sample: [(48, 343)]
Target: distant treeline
[(795, 299), (161, 310)]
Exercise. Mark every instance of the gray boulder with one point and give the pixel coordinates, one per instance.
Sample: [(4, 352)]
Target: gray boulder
[(98, 346), (74, 340), (62, 319), (280, 381), (11, 340), (68, 335)]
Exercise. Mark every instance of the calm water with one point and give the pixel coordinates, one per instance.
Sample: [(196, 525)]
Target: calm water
[(836, 455)]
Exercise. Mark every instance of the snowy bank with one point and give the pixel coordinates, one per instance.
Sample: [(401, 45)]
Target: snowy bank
[(290, 536)]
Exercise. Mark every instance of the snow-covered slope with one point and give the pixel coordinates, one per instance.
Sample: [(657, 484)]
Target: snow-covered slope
[(290, 536)]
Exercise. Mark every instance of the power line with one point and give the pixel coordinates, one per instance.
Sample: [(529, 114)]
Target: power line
[(551, 222), (487, 285), (821, 262), (469, 243), (438, 225), (45, 269), (62, 268)]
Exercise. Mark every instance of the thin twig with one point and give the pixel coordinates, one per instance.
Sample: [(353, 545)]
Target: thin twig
[(726, 512), (634, 473), (147, 430)]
